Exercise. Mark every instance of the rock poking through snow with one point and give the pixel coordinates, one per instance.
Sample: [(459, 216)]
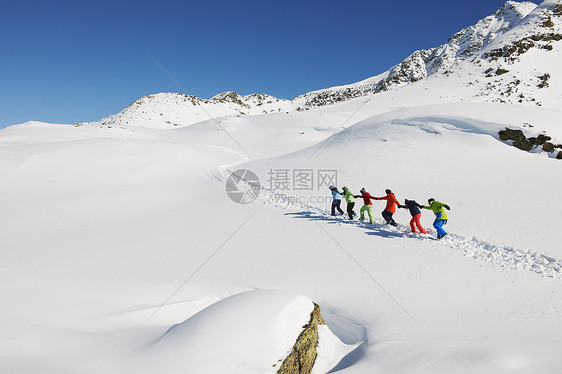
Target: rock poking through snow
[(303, 355)]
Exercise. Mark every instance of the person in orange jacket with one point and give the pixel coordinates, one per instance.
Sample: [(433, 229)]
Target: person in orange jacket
[(414, 209), (390, 209)]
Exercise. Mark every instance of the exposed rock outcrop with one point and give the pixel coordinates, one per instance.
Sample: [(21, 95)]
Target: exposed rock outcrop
[(519, 139), (512, 51), (303, 355), (527, 144)]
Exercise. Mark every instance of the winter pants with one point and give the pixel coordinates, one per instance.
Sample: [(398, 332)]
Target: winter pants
[(388, 217), (369, 209), (415, 221), (350, 209), (438, 224), (336, 204)]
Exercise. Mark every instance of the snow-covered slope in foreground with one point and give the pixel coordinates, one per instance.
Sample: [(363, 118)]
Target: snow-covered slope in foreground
[(248, 331)]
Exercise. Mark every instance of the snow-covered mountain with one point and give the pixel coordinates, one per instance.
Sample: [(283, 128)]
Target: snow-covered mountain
[(477, 56), (168, 110), (510, 56)]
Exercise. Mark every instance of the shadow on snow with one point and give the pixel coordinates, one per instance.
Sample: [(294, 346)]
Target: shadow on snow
[(377, 229)]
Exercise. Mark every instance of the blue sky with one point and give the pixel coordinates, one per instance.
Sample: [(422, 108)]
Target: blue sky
[(76, 61)]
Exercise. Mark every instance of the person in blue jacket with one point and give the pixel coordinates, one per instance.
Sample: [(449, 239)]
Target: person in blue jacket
[(336, 200)]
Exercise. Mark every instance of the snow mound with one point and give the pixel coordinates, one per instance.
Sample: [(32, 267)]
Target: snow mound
[(253, 332), (341, 344), (250, 332)]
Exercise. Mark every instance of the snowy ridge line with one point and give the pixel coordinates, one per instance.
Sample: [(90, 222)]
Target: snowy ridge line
[(504, 257)]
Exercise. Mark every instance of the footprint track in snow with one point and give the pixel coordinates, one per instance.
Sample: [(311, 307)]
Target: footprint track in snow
[(504, 257)]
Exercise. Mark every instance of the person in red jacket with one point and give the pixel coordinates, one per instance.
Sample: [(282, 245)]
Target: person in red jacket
[(368, 205), (390, 209)]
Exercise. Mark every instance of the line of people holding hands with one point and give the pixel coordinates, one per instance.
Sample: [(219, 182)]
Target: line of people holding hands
[(437, 207)]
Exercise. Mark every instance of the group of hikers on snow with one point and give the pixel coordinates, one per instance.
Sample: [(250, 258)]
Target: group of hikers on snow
[(437, 207)]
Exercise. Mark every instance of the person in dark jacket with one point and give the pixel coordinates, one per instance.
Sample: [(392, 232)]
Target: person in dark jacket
[(416, 215), (336, 200)]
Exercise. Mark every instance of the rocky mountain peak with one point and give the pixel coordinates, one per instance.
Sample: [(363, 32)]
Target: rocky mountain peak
[(533, 25), (228, 96), (515, 10), (477, 57)]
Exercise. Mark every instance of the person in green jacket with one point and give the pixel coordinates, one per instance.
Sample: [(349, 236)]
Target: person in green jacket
[(440, 215), (349, 200)]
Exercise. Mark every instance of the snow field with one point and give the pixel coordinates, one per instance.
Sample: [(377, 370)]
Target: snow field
[(121, 251)]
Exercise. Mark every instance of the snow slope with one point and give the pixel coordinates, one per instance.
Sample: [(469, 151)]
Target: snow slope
[(114, 234), (236, 328), (106, 231)]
